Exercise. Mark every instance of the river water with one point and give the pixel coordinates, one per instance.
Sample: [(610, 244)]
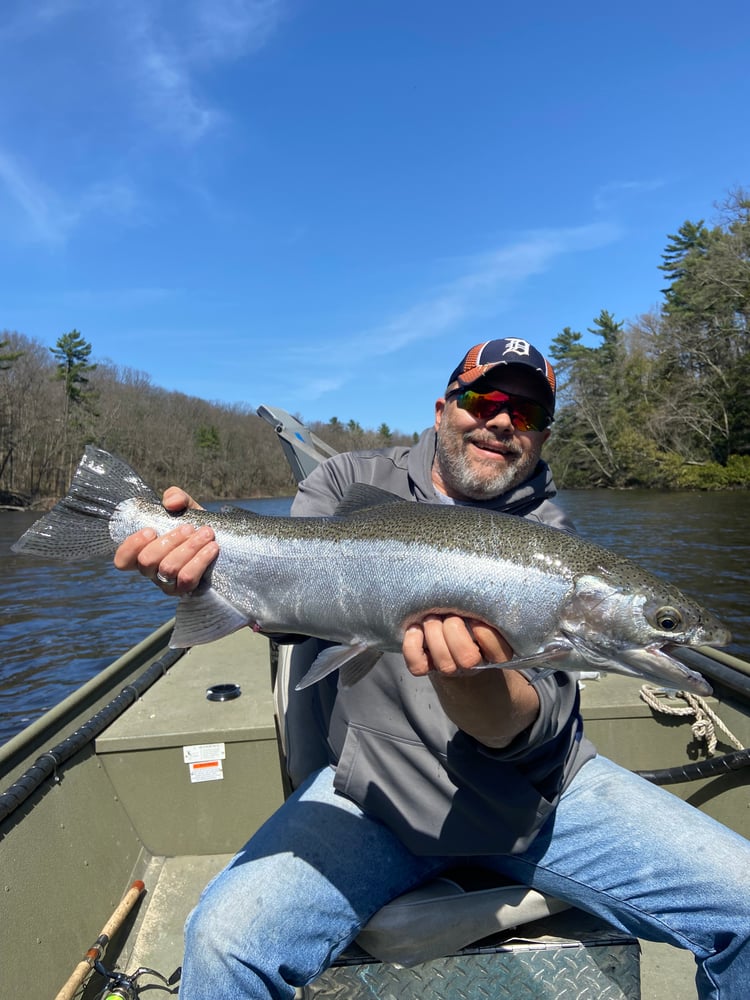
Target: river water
[(61, 623)]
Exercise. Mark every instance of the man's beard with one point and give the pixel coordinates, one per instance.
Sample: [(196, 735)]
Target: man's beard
[(480, 480)]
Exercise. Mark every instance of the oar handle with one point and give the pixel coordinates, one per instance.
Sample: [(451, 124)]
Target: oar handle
[(96, 951)]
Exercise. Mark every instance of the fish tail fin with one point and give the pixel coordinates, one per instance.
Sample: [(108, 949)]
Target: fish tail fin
[(78, 526)]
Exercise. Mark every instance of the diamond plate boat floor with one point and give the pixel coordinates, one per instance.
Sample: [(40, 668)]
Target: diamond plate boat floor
[(173, 886)]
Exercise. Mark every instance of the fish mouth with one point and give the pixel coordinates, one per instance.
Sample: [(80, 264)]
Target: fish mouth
[(655, 663)]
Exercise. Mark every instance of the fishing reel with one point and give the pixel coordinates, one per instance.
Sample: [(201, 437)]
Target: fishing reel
[(121, 986)]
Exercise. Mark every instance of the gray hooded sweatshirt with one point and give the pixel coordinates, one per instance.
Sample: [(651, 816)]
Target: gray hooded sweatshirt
[(394, 750)]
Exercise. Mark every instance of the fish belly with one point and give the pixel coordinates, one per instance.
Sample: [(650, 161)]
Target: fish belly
[(351, 591)]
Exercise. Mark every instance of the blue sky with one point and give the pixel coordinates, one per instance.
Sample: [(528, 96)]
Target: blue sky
[(320, 204)]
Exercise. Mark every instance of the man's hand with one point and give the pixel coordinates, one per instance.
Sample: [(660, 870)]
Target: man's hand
[(449, 644), (493, 706), (180, 557)]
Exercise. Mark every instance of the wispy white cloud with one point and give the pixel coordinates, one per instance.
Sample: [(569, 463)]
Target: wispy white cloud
[(45, 217), (166, 55), (317, 388), (168, 96), (153, 59), (160, 47), (487, 285), (227, 29), (488, 282)]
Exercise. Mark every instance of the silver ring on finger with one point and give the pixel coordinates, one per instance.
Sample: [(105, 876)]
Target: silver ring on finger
[(168, 581)]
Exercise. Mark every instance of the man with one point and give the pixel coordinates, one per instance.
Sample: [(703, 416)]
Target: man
[(425, 763)]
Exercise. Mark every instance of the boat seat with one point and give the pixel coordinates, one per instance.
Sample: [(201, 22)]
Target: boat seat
[(445, 914)]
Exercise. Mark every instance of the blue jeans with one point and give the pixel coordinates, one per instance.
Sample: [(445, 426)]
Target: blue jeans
[(298, 893)]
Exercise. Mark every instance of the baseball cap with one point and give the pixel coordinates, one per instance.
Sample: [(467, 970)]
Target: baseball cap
[(484, 359)]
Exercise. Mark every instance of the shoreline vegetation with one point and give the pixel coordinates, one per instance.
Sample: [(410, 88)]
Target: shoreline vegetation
[(661, 401)]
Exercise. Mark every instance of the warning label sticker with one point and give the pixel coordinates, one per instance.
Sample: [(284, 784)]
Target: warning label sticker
[(204, 751), (206, 770)]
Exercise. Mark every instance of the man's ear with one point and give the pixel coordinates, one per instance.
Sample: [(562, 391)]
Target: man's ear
[(439, 410)]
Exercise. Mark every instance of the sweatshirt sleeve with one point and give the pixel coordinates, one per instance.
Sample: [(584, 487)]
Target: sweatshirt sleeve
[(319, 493), (558, 710)]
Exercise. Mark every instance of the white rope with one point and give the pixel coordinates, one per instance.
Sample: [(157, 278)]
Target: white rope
[(706, 720)]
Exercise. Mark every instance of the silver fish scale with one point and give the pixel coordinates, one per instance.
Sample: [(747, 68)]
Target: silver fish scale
[(469, 531), (368, 590)]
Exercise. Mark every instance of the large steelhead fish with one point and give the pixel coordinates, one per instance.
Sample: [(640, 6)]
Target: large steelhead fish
[(362, 576)]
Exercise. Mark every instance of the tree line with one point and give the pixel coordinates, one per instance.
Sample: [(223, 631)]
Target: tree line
[(55, 400), (662, 400)]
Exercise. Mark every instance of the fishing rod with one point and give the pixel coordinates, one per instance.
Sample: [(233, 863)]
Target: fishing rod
[(125, 987), (117, 985), (95, 952)]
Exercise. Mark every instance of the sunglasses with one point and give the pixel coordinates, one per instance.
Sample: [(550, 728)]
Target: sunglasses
[(525, 414)]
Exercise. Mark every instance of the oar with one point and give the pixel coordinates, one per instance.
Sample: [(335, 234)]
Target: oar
[(96, 950)]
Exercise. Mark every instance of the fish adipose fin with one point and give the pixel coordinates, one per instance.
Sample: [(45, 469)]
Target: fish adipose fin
[(78, 526), (204, 616), (353, 662)]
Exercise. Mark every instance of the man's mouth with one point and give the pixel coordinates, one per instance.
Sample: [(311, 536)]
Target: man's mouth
[(494, 447)]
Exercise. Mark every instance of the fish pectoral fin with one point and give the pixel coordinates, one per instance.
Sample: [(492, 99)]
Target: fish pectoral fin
[(204, 616), (354, 662), (550, 656)]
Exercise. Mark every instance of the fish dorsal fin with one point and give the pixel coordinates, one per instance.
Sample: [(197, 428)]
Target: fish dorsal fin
[(362, 496)]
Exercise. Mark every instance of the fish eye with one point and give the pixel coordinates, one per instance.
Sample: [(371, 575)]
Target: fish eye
[(667, 619)]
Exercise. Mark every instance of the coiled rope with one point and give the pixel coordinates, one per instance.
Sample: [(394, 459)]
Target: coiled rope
[(706, 720)]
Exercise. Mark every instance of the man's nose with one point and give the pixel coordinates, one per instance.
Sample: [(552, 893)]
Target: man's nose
[(501, 419)]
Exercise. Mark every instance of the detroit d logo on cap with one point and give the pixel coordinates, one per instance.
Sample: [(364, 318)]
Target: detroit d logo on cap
[(516, 346)]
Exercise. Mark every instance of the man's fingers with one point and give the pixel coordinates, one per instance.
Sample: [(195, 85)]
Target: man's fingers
[(175, 499), (175, 561), (449, 644), (187, 562), (126, 556), (463, 649), (494, 647), (415, 652)]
